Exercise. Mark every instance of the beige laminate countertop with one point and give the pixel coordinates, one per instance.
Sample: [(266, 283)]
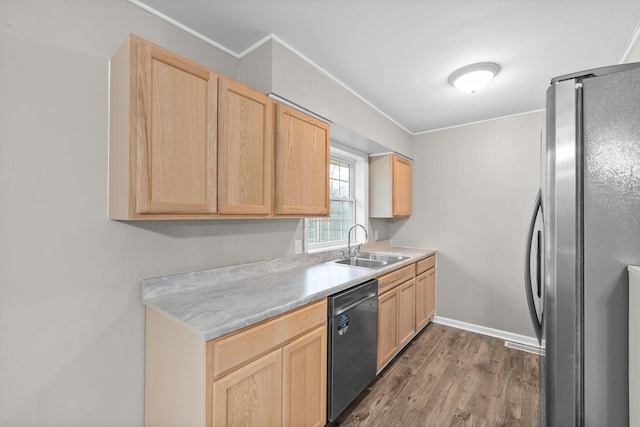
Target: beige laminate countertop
[(219, 301)]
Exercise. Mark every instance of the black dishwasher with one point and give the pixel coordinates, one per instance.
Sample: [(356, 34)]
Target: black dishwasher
[(353, 324)]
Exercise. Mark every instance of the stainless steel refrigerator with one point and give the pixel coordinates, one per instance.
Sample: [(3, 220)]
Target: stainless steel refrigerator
[(585, 230)]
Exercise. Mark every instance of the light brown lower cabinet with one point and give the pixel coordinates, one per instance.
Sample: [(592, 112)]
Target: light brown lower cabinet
[(387, 326), (425, 291), (421, 300), (273, 373), (253, 392), (396, 320), (305, 380), (405, 304), (285, 387), (431, 293), (406, 312)]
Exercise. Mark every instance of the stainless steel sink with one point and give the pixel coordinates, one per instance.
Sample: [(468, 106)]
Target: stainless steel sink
[(361, 262), (375, 256), (371, 260)]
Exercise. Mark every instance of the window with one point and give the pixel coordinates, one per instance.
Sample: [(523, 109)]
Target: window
[(332, 231), (348, 188)]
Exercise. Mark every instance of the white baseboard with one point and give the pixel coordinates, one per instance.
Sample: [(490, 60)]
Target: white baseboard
[(496, 333)]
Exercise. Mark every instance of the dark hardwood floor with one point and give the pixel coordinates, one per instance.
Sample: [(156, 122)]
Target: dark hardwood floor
[(451, 377)]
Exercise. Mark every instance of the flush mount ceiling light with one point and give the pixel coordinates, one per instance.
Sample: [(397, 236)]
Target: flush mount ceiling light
[(474, 77)]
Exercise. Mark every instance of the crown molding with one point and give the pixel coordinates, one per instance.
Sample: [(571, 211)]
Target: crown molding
[(266, 39), (183, 27), (479, 122), (273, 37)]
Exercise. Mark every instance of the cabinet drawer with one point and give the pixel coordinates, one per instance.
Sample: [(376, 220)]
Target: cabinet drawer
[(393, 279), (425, 264), (235, 350)]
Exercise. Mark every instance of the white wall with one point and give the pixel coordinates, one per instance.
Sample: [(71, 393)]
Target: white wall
[(256, 68), (473, 191), (634, 53), (298, 81), (71, 321)]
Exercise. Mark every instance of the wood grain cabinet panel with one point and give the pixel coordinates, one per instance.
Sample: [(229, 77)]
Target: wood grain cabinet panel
[(250, 396), (425, 291), (305, 380), (406, 302), (431, 293), (270, 374), (187, 143), (393, 279), (389, 186), (163, 134), (421, 301), (401, 186), (387, 327), (245, 150), (425, 264), (302, 163), (240, 347), (406, 312)]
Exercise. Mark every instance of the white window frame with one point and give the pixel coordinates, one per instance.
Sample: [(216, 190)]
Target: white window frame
[(359, 187)]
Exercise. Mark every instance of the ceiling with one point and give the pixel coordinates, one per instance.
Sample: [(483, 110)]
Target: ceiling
[(397, 55)]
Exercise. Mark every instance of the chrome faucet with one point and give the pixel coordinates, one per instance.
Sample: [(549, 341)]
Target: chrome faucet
[(357, 249)]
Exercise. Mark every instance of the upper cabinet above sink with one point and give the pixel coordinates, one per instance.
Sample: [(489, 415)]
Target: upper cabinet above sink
[(389, 186)]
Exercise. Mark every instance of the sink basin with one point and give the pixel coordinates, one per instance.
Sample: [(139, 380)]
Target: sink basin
[(371, 260), (361, 262), (375, 256)]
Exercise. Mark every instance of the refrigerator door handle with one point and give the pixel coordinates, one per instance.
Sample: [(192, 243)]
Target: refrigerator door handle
[(539, 264), (537, 324)]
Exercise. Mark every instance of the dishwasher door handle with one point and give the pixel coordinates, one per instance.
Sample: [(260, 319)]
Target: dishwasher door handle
[(350, 306)]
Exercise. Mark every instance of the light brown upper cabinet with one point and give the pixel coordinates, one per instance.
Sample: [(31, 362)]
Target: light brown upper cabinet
[(245, 150), (302, 163), (162, 134), (389, 186), (188, 143)]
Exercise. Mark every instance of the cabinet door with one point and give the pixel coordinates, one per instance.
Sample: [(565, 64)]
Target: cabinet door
[(431, 292), (401, 191), (406, 311), (305, 380), (421, 300), (174, 124), (302, 164), (250, 396), (387, 326), (245, 150)]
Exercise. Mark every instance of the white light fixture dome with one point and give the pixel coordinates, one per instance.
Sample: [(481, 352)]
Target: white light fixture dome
[(472, 78)]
